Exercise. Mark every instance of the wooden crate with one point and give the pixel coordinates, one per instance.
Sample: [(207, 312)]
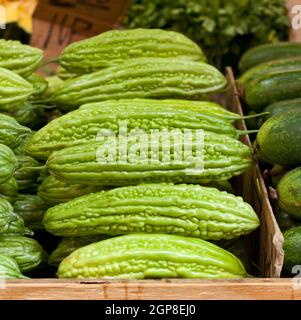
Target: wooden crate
[(267, 251), (267, 245)]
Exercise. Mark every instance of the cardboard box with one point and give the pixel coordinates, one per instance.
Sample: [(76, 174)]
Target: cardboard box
[(56, 23)]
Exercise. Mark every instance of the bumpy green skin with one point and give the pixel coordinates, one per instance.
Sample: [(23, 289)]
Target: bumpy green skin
[(201, 107), (69, 244), (8, 163), (10, 222), (63, 74), (118, 46), (273, 87), (282, 107), (53, 84), (5, 214), (25, 176), (279, 140), (31, 208), (142, 78), (86, 123), (26, 251), (292, 248), (11, 132), (20, 150), (224, 158), (13, 88), (187, 210), (20, 58), (289, 192), (9, 190), (54, 191), (39, 84), (269, 52), (141, 256), (268, 67), (285, 220), (9, 268), (18, 228), (30, 115)]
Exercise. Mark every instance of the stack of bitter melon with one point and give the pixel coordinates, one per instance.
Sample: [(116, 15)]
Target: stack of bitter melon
[(127, 202), (19, 251)]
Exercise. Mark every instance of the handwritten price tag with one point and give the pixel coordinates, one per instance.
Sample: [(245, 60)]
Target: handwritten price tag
[(60, 22)]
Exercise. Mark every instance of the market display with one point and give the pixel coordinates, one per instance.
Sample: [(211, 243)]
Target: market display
[(132, 219)]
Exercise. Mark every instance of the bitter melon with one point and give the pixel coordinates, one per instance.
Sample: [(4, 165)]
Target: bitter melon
[(39, 84), (85, 124), (11, 132), (18, 57), (140, 256), (5, 214), (219, 158), (9, 268), (8, 163), (69, 244), (31, 208), (142, 78), (25, 174), (13, 88), (54, 191), (201, 107), (118, 46), (26, 251), (187, 210), (9, 190), (10, 222)]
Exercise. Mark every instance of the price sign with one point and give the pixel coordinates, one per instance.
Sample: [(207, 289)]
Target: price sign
[(59, 22)]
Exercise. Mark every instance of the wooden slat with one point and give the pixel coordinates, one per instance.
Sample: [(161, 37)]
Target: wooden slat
[(269, 242), (246, 289)]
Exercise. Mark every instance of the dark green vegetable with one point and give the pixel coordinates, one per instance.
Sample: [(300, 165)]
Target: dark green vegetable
[(292, 248), (269, 52), (281, 107), (9, 190), (31, 208), (289, 193), (26, 175), (285, 220), (26, 251), (279, 139), (9, 268), (8, 163), (268, 67), (273, 87)]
